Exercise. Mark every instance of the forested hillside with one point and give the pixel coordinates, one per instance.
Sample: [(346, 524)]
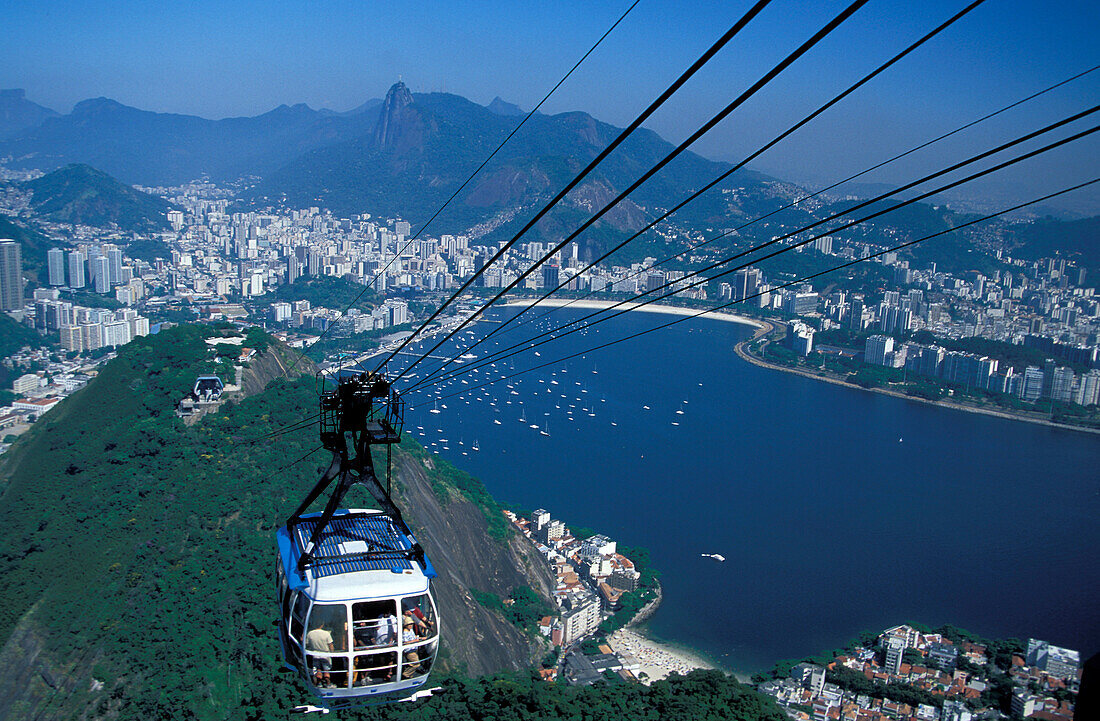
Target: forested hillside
[(83, 195), (138, 551), (699, 696), (137, 561)]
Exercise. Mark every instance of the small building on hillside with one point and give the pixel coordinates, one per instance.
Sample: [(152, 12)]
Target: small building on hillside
[(205, 395)]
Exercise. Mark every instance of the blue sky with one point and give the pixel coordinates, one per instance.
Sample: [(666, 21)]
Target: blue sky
[(242, 58)]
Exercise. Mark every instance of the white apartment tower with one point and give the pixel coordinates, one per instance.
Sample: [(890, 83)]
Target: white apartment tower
[(55, 264)]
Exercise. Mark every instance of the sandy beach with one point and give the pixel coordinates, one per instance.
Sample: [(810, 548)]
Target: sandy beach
[(652, 308), (656, 660)]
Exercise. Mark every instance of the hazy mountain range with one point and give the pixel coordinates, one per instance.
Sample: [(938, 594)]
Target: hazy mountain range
[(147, 148), (402, 156)]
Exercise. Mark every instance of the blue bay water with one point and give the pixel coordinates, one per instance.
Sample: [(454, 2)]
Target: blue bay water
[(837, 510)]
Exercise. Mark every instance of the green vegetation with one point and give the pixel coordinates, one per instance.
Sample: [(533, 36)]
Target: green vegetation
[(172, 526), (1074, 240), (913, 657), (779, 353), (854, 681), (257, 339), (524, 608), (633, 601), (15, 335), (872, 376), (953, 252), (591, 645), (699, 696), (225, 360), (149, 249), (91, 299), (324, 291), (422, 309), (80, 194)]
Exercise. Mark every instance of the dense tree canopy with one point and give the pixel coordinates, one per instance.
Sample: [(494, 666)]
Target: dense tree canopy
[(138, 552)]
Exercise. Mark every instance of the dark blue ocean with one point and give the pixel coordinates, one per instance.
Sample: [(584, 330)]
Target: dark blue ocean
[(837, 510)]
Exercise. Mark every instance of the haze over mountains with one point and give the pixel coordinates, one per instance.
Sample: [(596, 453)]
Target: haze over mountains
[(147, 148), (400, 157), (17, 113)]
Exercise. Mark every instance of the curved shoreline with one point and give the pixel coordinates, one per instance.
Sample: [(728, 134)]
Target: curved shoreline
[(763, 327), (741, 350), (647, 610), (658, 659), (651, 308)]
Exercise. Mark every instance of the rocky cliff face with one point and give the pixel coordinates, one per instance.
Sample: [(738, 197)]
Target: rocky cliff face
[(37, 685), (400, 128), (277, 362), (454, 534)]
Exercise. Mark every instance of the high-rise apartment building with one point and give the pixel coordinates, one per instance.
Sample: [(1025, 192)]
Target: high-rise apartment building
[(11, 275), (856, 316), (1088, 390), (931, 360), (800, 337), (1055, 660), (1061, 388), (76, 270), (101, 270), (877, 348), (114, 260), (800, 303), (745, 283), (539, 518), (55, 266), (895, 652), (581, 618), (1031, 387), (551, 532)]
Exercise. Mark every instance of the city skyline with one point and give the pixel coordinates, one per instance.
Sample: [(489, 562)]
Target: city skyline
[(236, 61)]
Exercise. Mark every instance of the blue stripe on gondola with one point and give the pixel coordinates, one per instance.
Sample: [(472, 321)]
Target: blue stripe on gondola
[(376, 530)]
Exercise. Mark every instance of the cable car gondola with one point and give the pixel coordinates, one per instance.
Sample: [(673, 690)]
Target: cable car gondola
[(357, 618)]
